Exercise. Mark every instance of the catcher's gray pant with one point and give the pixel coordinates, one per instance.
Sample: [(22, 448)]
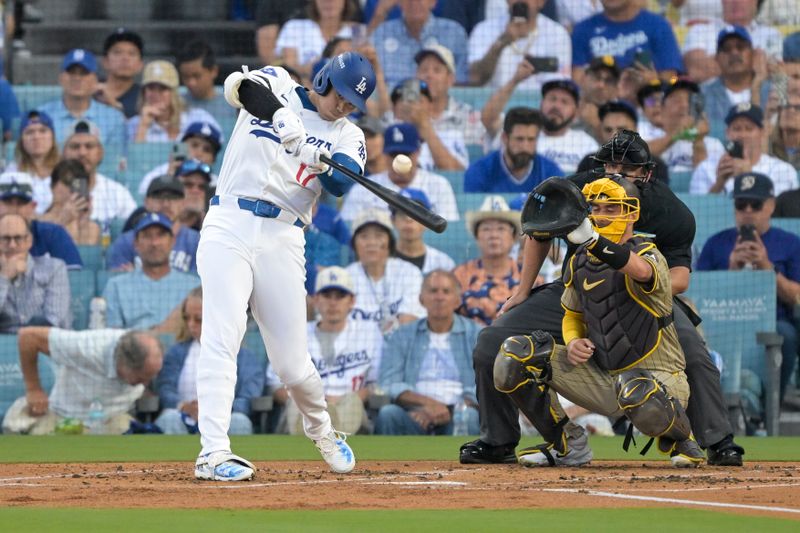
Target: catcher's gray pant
[(542, 310)]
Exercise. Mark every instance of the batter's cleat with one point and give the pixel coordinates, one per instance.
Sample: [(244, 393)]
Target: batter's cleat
[(726, 457), (336, 452), (223, 466), (687, 454), (479, 453), (579, 453)]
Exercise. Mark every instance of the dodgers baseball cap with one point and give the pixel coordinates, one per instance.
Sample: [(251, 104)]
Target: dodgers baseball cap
[(733, 30), (565, 85), (204, 130), (16, 185), (165, 187), (791, 48), (123, 35), (442, 53), (152, 219), (753, 185), (415, 195), (402, 138), (334, 277), (36, 117), (82, 57), (747, 110), (161, 72)]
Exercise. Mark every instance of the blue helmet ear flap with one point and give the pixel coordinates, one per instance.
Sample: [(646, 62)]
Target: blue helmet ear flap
[(322, 81)]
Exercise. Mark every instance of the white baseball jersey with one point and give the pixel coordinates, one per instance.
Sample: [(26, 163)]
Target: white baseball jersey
[(397, 293), (284, 181), (567, 150), (357, 355)]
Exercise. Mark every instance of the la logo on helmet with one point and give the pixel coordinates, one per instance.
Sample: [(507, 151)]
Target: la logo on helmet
[(362, 85)]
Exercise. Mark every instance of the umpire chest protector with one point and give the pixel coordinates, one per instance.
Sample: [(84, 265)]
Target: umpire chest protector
[(624, 330)]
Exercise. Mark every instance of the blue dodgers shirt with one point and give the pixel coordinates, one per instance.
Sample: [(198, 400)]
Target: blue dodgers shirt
[(598, 36), (183, 257), (490, 174), (783, 249), (49, 238)]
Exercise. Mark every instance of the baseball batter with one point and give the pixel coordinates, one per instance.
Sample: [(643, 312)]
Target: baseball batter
[(622, 354), (251, 244)]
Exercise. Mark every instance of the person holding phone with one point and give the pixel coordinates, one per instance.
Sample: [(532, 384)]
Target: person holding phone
[(72, 203), (499, 46), (753, 244)]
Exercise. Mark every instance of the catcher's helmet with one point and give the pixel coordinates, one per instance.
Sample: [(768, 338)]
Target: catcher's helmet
[(614, 191), (352, 76), (626, 148)]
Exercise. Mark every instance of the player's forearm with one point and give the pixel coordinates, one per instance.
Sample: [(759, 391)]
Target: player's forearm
[(31, 342), (532, 259), (620, 258)]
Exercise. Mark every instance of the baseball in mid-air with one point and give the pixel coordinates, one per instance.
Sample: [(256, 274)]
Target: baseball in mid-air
[(402, 164)]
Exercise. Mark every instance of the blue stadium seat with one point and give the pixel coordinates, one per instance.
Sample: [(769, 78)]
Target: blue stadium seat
[(102, 279), (143, 157), (712, 212), (478, 96), (11, 384), (679, 181), (788, 224), (92, 257), (83, 285), (33, 96), (456, 179), (475, 152), (116, 228)]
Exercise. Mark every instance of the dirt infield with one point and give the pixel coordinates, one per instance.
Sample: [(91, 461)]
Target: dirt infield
[(767, 488)]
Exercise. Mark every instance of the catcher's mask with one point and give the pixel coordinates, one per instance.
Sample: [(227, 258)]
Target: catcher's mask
[(612, 191)]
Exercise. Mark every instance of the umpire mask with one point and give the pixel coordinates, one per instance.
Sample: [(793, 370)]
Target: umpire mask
[(611, 222)]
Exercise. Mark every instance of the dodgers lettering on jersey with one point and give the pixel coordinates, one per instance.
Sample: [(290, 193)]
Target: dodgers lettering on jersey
[(256, 166)]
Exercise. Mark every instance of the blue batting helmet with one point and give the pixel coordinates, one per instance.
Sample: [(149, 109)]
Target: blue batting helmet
[(352, 76)]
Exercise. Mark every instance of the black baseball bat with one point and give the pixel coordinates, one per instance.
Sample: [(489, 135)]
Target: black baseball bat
[(427, 218)]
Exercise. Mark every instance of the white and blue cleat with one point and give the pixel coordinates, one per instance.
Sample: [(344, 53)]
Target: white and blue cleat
[(223, 466), (336, 452)]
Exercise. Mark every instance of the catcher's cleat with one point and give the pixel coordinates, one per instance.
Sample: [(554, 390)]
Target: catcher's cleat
[(686, 454), (223, 466), (478, 452), (579, 453), (336, 452), (726, 457)]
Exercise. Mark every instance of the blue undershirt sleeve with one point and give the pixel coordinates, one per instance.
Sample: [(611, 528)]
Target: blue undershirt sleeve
[(336, 182)]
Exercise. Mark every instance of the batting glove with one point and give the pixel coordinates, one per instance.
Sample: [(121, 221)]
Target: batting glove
[(310, 155), (290, 130), (583, 234)]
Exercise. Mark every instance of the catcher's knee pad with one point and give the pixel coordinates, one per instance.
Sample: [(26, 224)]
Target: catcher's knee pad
[(523, 359), (649, 408)]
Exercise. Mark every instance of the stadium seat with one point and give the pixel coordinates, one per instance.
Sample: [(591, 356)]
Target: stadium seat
[(455, 177), (475, 152), (478, 96), (32, 96), (82, 283), (144, 157), (712, 212), (92, 257), (11, 384), (679, 181), (788, 224)]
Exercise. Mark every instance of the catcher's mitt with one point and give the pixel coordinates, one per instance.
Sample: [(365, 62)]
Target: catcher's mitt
[(554, 208)]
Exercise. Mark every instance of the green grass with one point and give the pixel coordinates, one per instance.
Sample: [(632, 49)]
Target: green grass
[(66, 449), (347, 521)]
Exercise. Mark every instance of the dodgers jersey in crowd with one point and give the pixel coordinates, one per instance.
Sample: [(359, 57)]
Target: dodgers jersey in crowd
[(284, 181), (395, 294)]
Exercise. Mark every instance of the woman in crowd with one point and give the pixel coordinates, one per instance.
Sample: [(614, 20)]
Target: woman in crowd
[(71, 205), (36, 154)]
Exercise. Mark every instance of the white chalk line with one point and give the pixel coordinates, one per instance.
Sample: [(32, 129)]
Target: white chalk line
[(13, 480), (698, 503)]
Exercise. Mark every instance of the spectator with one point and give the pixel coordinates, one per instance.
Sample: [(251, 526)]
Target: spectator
[(631, 35), (196, 179), (122, 61), (201, 141), (697, 11), (570, 12), (685, 142), (198, 67), (321, 251), (785, 141), (16, 196), (558, 141), (427, 366), (163, 116), (755, 245), (109, 199), (346, 352), (386, 288), (72, 205), (516, 166), (599, 87), (165, 196), (410, 246), (499, 44), (787, 204), (78, 80), (373, 135), (791, 56), (743, 72), (615, 117), (650, 99), (328, 220), (149, 297), (270, 16), (778, 12), (9, 107), (489, 280), (398, 41), (403, 139), (176, 385), (745, 126), (34, 291), (699, 44), (36, 154), (107, 366)]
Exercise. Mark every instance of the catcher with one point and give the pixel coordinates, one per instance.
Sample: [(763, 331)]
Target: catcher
[(622, 355)]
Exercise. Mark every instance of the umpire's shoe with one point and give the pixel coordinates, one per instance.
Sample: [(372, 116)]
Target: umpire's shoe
[(578, 454), (223, 466), (725, 453), (478, 452)]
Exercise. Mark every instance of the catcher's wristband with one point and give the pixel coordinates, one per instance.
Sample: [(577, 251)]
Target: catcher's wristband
[(610, 253)]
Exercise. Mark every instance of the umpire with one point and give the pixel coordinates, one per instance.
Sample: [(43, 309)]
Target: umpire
[(672, 224)]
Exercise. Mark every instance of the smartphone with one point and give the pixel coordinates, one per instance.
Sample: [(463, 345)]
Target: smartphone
[(358, 33), (520, 12), (735, 149), (747, 232), (543, 64), (780, 84), (644, 58), (80, 186), (179, 153), (410, 91), (697, 104)]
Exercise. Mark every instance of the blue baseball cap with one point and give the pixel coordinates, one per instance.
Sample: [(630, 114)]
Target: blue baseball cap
[(747, 110), (401, 138), (732, 30), (415, 195), (193, 166), (153, 219), (36, 117), (82, 57), (205, 130)]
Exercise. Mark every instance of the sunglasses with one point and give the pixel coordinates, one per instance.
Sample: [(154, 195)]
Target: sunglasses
[(187, 167), (743, 203)]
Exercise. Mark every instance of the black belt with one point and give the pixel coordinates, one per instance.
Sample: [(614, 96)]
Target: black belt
[(260, 208)]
